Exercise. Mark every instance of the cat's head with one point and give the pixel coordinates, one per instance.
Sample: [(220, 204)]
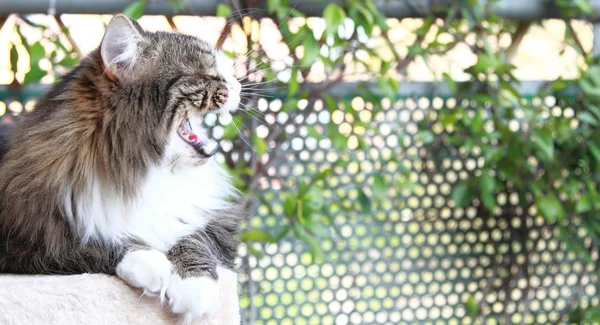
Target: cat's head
[(192, 78)]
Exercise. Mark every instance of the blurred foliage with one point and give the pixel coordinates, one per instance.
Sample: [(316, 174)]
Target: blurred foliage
[(546, 155), (53, 54)]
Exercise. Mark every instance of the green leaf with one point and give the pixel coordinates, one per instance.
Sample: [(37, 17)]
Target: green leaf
[(388, 86), (594, 109), (364, 11), (35, 74), (468, 17), (36, 53), (365, 202), (472, 306), (487, 185), (312, 131), (256, 235), (584, 6), (318, 256), (595, 150), (426, 136), (584, 204), (14, 58), (260, 145), (485, 62), (380, 188), (289, 205), (273, 5), (550, 207), (322, 175), (379, 17), (311, 50), (303, 187), (305, 211), (280, 233), (462, 195), (331, 103), (576, 316), (588, 118), (68, 61), (135, 9), (320, 230), (340, 142), (258, 254), (294, 82), (223, 10), (230, 131), (334, 16), (289, 105), (588, 88), (451, 83), (544, 142)]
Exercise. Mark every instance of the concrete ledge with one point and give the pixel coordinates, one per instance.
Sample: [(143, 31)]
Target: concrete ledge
[(97, 299)]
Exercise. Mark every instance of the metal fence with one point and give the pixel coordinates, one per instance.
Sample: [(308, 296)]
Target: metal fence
[(416, 259)]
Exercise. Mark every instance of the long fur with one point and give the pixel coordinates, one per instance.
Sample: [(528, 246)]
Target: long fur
[(97, 167)]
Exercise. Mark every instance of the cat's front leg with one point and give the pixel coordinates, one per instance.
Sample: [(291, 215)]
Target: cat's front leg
[(147, 269), (193, 289)]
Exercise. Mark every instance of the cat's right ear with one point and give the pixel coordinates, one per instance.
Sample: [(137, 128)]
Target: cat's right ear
[(120, 48)]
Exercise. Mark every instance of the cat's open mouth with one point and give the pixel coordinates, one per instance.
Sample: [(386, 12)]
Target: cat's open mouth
[(196, 137)]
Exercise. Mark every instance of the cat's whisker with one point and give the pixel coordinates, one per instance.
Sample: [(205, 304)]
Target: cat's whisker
[(255, 109), (261, 95), (260, 90), (255, 69), (252, 99), (239, 14), (256, 91), (288, 15), (260, 87), (249, 112), (239, 132), (260, 83), (255, 112)]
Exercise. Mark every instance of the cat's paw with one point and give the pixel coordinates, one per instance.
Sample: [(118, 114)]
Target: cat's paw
[(193, 297), (146, 269)]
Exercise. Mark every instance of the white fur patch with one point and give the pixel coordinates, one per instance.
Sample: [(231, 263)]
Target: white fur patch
[(225, 69), (193, 297), (146, 269), (174, 201)]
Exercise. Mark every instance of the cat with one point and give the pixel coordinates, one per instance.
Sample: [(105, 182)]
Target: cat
[(6, 129), (113, 173)]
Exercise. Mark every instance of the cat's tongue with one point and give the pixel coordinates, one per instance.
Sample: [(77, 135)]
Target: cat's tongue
[(192, 133), (187, 133)]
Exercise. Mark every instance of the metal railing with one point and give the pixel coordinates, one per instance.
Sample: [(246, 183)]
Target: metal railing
[(511, 9)]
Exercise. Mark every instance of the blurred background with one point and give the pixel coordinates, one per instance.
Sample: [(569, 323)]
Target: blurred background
[(406, 161)]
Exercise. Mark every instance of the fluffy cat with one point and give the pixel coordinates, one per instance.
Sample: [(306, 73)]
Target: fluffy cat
[(111, 172)]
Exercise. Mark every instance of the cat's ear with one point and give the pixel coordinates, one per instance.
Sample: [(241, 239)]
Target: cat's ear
[(120, 47)]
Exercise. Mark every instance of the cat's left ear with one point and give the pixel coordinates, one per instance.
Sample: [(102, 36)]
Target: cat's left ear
[(121, 47)]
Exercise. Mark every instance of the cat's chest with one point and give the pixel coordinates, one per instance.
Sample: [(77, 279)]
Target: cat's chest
[(170, 204)]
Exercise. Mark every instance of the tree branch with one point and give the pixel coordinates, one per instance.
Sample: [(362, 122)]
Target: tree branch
[(569, 26), (517, 38)]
